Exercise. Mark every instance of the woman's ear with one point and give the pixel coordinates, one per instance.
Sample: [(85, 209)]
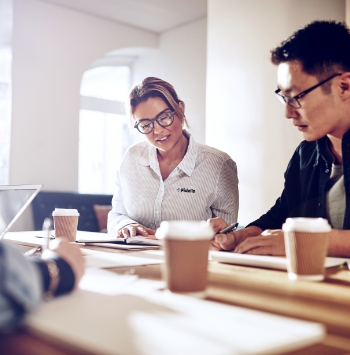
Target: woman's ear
[(182, 107)]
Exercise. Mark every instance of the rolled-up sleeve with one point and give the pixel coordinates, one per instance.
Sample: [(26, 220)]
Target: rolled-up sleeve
[(117, 217)]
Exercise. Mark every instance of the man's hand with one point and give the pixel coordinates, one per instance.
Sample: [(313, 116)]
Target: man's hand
[(70, 253), (131, 230), (232, 240), (270, 242)]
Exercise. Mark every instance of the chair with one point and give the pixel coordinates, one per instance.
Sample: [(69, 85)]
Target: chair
[(46, 201)]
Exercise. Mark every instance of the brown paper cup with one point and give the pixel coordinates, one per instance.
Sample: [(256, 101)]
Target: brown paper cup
[(186, 265), (307, 252), (66, 227), (186, 248)]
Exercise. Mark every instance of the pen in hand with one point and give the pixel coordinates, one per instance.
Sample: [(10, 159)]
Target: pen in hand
[(229, 228), (47, 228)]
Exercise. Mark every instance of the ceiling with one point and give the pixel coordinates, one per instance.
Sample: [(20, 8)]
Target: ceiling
[(152, 15)]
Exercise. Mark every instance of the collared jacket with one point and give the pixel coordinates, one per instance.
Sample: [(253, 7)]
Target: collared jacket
[(305, 184)]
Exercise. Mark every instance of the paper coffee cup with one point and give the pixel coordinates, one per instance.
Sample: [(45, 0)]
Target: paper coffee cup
[(186, 247), (306, 243), (66, 223)]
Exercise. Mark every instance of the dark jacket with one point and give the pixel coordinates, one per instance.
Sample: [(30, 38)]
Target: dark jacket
[(305, 184)]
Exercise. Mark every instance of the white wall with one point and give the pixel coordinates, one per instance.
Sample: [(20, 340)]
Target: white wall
[(180, 59), (52, 47), (243, 116)]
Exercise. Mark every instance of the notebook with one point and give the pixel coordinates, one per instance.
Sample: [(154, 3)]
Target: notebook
[(14, 199), (88, 238)]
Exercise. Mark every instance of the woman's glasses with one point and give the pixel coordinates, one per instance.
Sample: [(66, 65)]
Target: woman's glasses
[(146, 126)]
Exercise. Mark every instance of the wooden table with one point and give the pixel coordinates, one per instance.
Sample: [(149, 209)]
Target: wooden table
[(327, 302)]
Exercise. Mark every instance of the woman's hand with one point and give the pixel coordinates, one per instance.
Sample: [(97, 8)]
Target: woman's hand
[(221, 241), (131, 230)]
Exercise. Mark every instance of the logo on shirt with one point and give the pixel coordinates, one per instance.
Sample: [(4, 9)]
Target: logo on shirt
[(182, 189)]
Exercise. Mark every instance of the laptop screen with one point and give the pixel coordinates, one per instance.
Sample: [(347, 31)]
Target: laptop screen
[(14, 199)]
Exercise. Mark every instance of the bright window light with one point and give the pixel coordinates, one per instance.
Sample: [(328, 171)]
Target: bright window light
[(109, 83), (6, 22), (104, 132)]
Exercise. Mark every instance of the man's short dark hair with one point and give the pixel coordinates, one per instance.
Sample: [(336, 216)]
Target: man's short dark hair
[(323, 47)]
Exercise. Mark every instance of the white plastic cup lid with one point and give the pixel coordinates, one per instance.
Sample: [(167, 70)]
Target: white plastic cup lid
[(185, 230), (65, 212), (309, 225)]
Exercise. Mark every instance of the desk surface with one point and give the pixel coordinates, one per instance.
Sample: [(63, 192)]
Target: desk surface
[(327, 302)]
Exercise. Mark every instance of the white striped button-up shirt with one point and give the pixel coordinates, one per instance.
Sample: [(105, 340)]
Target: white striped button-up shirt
[(202, 186)]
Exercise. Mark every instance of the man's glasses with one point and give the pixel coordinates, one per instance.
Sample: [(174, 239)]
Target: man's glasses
[(293, 101), (146, 126)]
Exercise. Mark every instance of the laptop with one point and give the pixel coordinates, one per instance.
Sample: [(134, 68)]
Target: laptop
[(14, 199)]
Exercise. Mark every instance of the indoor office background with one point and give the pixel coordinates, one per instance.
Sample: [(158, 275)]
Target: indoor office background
[(215, 53)]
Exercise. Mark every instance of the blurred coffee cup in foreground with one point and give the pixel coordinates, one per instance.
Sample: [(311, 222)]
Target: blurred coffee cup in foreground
[(186, 247), (306, 242), (66, 223)]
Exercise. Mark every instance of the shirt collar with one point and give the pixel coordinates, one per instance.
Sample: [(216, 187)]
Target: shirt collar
[(187, 165), (323, 150)]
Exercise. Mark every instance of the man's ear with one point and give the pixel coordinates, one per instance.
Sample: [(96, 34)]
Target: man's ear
[(345, 85)]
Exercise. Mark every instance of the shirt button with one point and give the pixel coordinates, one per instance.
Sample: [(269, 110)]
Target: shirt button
[(327, 171), (319, 204)]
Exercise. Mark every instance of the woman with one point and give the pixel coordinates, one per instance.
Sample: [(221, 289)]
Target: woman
[(169, 177)]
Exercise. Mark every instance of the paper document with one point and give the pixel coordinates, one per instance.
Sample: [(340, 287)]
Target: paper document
[(270, 262), (100, 259)]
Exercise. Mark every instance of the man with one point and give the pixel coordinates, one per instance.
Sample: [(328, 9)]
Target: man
[(314, 84), (24, 283)]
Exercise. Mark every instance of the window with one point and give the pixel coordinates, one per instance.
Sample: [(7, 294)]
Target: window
[(6, 15), (104, 132)]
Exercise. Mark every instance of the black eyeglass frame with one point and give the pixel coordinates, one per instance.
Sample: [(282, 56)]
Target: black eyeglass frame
[(151, 120), (288, 100)]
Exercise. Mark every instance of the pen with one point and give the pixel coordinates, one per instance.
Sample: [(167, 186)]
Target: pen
[(47, 229), (229, 228)]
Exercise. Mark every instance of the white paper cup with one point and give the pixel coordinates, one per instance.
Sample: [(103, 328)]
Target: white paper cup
[(186, 246), (306, 242), (66, 223)]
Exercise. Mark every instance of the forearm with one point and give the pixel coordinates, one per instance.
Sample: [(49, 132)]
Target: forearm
[(118, 216), (227, 196), (339, 243), (66, 275), (20, 286), (23, 282)]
